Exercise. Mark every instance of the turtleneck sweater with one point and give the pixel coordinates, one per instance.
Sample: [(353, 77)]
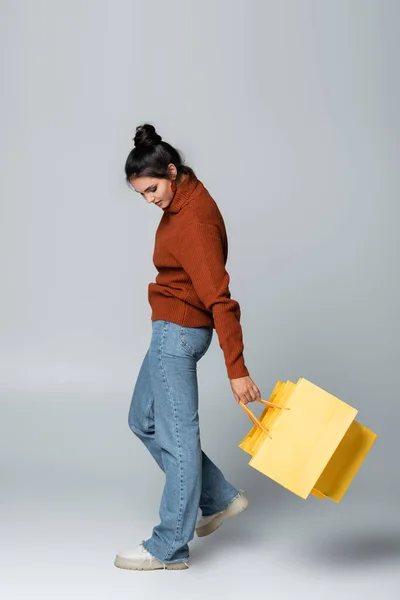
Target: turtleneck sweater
[(192, 284)]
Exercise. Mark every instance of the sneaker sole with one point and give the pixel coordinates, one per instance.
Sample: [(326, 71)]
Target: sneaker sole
[(234, 509), (125, 563)]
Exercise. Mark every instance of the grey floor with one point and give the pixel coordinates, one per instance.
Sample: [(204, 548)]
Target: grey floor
[(76, 486)]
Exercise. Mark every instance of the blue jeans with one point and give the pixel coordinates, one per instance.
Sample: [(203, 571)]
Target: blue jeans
[(164, 415)]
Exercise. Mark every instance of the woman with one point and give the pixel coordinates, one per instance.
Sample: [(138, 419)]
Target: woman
[(189, 298)]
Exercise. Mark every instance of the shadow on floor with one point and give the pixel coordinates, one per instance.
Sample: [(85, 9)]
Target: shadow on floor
[(349, 550)]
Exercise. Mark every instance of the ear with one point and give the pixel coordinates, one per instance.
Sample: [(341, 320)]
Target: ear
[(172, 171)]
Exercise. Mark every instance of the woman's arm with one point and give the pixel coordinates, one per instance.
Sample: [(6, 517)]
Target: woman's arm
[(200, 252)]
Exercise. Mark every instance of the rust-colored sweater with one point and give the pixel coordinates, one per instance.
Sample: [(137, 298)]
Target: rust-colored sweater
[(192, 284)]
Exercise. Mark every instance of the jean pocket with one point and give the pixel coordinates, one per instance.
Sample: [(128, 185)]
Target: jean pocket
[(195, 340)]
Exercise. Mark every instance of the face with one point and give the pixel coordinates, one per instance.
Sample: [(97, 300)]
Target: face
[(154, 190)]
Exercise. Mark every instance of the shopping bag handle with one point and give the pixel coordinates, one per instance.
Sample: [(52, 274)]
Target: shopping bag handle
[(254, 419), (272, 404)]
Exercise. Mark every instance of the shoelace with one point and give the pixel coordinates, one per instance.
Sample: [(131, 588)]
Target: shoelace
[(146, 554)]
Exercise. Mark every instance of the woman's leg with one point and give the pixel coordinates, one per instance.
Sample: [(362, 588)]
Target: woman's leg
[(216, 491), (164, 415), (174, 385)]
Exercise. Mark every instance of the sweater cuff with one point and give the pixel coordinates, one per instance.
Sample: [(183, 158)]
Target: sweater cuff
[(237, 369)]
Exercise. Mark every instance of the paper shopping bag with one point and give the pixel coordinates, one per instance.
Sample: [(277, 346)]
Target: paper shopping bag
[(307, 440)]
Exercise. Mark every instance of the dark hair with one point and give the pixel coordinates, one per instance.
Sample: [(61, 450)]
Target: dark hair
[(151, 156)]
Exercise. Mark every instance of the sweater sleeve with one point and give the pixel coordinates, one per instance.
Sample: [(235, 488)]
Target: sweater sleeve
[(200, 252)]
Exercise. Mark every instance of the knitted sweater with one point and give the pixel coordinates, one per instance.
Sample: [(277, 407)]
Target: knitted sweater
[(192, 284)]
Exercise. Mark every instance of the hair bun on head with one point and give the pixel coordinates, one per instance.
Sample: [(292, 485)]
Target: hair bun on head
[(146, 135)]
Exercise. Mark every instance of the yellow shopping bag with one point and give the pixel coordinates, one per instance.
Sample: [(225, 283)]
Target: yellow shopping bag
[(307, 440)]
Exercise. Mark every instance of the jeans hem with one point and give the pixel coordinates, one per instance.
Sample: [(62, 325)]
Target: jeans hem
[(221, 509), (178, 560), (233, 499)]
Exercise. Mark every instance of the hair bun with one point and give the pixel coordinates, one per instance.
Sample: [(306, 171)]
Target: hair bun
[(146, 135)]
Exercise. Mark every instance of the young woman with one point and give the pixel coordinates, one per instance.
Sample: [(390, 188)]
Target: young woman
[(189, 299)]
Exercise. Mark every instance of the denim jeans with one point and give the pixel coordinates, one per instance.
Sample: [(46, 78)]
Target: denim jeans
[(164, 415)]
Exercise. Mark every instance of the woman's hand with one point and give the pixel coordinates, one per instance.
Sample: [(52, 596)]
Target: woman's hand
[(244, 389)]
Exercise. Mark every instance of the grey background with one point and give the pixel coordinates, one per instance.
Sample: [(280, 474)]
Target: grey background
[(288, 112)]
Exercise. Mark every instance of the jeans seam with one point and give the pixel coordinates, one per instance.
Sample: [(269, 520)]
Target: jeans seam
[(147, 414), (184, 344), (179, 519)]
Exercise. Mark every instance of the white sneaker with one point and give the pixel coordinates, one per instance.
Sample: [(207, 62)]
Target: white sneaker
[(140, 559), (209, 524)]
